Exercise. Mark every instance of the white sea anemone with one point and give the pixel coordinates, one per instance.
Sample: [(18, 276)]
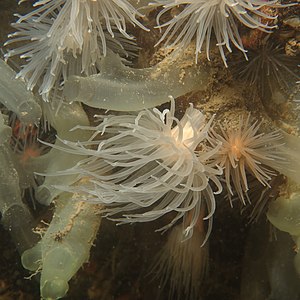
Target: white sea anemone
[(150, 161), (183, 264), (69, 37), (199, 18), (243, 151)]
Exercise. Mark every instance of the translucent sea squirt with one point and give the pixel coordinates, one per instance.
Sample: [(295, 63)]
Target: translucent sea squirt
[(118, 87), (15, 97), (65, 245)]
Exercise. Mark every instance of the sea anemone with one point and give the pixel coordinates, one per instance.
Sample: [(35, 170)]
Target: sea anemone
[(268, 69), (183, 264), (68, 37), (261, 196), (116, 12), (145, 162), (244, 151), (200, 17)]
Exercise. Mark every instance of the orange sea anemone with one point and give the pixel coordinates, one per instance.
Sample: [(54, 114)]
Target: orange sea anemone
[(244, 150)]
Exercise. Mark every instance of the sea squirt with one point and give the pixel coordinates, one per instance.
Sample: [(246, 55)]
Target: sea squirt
[(68, 116), (284, 214), (15, 215), (119, 87), (65, 245), (15, 96)]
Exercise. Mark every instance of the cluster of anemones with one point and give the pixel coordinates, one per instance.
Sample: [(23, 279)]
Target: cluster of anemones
[(146, 165), (69, 37)]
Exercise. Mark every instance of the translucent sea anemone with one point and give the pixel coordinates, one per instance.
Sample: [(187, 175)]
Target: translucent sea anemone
[(150, 161), (199, 18), (116, 12), (68, 37), (243, 151), (183, 264)]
